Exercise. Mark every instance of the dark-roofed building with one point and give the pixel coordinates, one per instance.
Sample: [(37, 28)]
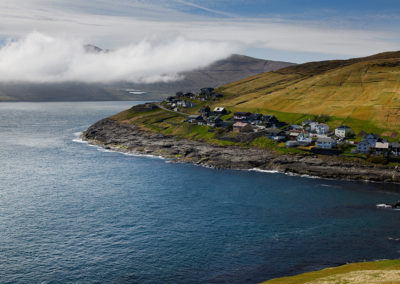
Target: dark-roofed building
[(241, 116), (395, 149), (365, 145), (214, 121), (194, 118), (205, 111), (206, 91)]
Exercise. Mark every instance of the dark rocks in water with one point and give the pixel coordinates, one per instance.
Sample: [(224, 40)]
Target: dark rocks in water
[(128, 137), (396, 205)]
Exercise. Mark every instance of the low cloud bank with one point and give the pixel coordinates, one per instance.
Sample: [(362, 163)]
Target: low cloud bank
[(39, 58)]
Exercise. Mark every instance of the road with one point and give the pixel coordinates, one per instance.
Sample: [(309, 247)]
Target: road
[(170, 110)]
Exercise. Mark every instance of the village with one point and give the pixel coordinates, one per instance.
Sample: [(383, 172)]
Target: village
[(315, 135)]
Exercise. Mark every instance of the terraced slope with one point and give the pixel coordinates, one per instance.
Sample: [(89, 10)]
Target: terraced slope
[(365, 89)]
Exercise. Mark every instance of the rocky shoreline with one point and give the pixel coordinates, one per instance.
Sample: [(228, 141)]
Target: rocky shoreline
[(110, 134)]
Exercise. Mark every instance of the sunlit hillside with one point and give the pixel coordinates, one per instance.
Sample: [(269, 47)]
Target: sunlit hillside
[(366, 89)]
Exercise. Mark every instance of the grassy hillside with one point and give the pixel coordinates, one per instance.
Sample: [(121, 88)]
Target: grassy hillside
[(386, 271), (353, 91)]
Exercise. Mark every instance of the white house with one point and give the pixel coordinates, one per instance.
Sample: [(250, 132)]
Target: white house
[(185, 104), (381, 148), (322, 128), (343, 131), (326, 143), (309, 125)]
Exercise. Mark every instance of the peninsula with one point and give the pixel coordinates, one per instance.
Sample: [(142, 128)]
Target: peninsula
[(331, 119)]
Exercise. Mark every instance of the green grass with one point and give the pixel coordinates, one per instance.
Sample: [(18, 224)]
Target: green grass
[(265, 143), (383, 265), (129, 114), (356, 124), (170, 123), (365, 89)]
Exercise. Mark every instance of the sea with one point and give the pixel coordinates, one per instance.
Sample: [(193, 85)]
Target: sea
[(75, 213)]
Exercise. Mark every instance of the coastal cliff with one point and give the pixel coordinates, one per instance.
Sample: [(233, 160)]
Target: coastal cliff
[(114, 135)]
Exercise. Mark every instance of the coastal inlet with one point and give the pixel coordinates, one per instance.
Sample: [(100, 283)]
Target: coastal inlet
[(71, 212)]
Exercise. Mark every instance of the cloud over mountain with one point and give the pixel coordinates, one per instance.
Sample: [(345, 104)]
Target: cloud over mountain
[(41, 58)]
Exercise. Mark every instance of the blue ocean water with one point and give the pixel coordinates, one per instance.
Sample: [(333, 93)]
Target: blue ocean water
[(70, 212)]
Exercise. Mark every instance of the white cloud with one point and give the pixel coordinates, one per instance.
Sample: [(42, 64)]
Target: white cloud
[(121, 22), (42, 58)]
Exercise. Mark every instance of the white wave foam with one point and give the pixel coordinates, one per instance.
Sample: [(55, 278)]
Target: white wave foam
[(113, 149), (263, 171), (383, 205), (79, 140), (134, 154), (308, 176), (288, 173)]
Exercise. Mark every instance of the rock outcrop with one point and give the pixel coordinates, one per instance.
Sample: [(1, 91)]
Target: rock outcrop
[(131, 138)]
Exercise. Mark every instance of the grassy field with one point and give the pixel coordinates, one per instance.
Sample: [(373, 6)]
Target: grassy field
[(385, 271), (361, 92), (173, 124)]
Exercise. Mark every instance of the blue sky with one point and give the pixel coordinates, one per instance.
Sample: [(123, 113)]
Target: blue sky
[(289, 30)]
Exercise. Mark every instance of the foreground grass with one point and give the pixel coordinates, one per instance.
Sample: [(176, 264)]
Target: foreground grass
[(384, 271)]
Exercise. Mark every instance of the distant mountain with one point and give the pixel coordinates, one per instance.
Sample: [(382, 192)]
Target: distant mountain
[(221, 72)]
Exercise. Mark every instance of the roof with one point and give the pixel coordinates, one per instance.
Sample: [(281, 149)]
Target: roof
[(363, 142), (395, 145), (193, 116), (219, 109), (323, 125), (380, 145), (343, 127), (242, 113), (273, 130), (372, 135), (214, 118), (326, 140), (295, 126), (240, 124)]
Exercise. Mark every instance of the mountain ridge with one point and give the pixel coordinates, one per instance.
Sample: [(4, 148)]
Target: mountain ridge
[(221, 72)]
